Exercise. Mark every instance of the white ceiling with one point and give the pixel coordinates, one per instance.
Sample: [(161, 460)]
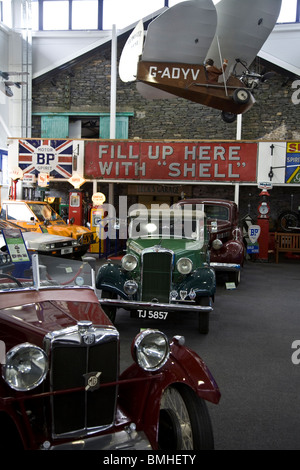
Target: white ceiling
[(51, 50)]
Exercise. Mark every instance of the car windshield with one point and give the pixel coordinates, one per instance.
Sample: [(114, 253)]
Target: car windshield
[(216, 212), (44, 212), (4, 224), (166, 226), (40, 271)]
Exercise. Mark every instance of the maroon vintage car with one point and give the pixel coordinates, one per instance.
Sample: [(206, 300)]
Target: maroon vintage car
[(226, 237), (61, 387)]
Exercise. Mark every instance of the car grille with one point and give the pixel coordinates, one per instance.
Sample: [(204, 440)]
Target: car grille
[(74, 359), (85, 238), (156, 276)]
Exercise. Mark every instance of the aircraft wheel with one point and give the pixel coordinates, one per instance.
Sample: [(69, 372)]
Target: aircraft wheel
[(241, 96), (228, 117)]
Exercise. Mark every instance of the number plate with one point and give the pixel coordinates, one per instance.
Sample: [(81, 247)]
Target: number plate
[(65, 251), (151, 314)]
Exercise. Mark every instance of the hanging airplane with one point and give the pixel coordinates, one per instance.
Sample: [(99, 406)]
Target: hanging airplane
[(5, 83), (201, 52)]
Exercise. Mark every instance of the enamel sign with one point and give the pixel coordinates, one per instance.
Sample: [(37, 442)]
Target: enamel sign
[(253, 233), (167, 160)]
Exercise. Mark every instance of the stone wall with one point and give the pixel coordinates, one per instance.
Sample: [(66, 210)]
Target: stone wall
[(85, 87)]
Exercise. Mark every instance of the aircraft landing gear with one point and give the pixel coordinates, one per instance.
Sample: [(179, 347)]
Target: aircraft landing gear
[(228, 117)]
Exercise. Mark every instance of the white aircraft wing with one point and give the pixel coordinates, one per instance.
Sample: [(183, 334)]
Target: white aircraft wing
[(183, 33), (131, 53), (243, 27)]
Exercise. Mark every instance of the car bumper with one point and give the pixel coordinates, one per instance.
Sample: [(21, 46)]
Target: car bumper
[(172, 307), (225, 266), (122, 440)]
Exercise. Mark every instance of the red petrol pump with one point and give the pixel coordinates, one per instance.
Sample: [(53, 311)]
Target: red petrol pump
[(263, 222), (76, 206)]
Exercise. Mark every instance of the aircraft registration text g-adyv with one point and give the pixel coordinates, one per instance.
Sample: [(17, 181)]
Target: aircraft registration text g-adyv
[(202, 52)]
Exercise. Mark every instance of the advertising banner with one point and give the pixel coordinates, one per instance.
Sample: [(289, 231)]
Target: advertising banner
[(53, 157), (292, 173), (171, 161)]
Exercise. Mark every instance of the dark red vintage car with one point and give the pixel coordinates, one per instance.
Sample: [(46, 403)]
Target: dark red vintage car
[(61, 386), (226, 237)]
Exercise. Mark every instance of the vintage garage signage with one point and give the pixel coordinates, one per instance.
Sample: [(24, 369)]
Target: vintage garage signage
[(46, 156), (292, 173), (173, 161)]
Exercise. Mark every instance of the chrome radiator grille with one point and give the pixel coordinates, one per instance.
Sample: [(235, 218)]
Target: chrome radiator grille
[(156, 275), (79, 360)]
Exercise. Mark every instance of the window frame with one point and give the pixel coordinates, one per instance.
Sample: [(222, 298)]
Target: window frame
[(100, 14)]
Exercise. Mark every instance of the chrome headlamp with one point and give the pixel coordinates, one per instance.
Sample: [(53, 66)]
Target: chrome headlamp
[(25, 367), (129, 262), (150, 349), (184, 265), (217, 244), (131, 287)]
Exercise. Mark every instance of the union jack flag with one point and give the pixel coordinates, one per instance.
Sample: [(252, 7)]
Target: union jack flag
[(46, 155)]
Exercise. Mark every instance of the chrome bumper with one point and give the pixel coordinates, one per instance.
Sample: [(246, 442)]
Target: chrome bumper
[(172, 307), (122, 440), (225, 266)]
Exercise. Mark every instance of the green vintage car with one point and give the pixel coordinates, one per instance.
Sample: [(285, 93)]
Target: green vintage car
[(165, 269)]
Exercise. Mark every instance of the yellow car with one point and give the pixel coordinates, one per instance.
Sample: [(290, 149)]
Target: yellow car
[(38, 216)]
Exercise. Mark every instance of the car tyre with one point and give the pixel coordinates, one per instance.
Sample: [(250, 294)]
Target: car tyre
[(109, 310), (235, 277), (184, 421)]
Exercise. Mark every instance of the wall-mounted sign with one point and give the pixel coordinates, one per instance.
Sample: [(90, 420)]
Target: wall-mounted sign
[(171, 161), (292, 172), (46, 156), (160, 190)]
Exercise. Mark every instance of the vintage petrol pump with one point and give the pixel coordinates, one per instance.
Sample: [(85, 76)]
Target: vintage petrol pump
[(76, 206), (97, 214), (263, 222)]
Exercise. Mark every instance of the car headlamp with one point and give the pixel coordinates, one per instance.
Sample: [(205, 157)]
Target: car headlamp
[(150, 349), (25, 367), (130, 287), (129, 262), (184, 265), (217, 244)]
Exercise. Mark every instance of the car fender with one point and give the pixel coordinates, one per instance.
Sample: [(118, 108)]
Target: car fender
[(237, 249), (202, 281), (141, 398), (231, 252), (111, 277)]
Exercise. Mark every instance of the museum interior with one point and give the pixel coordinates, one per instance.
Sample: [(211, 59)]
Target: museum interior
[(108, 107)]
